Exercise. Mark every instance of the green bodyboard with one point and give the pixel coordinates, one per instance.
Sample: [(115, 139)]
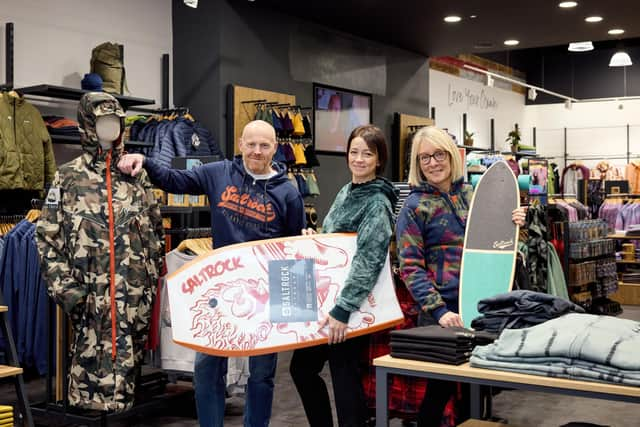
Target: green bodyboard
[(490, 245)]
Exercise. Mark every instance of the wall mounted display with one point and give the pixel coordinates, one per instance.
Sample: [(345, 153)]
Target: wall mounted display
[(336, 113), (404, 127)]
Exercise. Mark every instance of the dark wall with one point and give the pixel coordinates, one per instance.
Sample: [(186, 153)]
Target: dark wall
[(223, 43), (584, 75)]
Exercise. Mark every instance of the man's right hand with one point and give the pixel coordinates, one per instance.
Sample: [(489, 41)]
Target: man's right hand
[(131, 164)]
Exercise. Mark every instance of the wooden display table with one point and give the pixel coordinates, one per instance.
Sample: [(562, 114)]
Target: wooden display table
[(477, 377)]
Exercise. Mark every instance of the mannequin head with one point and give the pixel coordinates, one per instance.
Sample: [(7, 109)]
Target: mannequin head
[(108, 130)]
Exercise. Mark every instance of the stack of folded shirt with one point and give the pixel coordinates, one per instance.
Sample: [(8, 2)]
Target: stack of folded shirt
[(520, 309), (434, 343), (6, 416), (576, 346), (61, 126)]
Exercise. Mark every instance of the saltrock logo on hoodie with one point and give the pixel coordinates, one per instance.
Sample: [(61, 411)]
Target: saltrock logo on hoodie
[(246, 205)]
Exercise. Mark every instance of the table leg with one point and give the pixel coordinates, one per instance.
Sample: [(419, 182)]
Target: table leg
[(382, 397), (475, 397)]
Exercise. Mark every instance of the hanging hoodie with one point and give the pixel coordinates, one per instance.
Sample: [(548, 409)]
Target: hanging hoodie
[(430, 234), (242, 208), (366, 209), (100, 240)]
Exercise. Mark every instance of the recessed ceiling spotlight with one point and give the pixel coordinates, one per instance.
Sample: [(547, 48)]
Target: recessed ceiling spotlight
[(473, 16), (580, 46), (452, 19), (615, 31), (593, 19), (567, 4), (511, 42)]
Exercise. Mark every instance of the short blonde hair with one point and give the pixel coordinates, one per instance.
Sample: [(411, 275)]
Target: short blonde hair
[(442, 141)]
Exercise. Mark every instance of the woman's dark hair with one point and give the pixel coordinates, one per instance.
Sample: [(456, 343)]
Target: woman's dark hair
[(376, 142)]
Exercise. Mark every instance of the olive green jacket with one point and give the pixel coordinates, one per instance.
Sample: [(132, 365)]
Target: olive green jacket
[(26, 154)]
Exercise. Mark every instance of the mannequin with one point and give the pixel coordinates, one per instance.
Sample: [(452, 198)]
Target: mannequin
[(100, 241), (108, 129)]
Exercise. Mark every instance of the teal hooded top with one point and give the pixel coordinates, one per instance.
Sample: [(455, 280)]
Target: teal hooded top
[(366, 209)]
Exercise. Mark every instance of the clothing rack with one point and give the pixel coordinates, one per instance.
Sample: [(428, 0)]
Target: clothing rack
[(177, 110), (242, 105), (190, 232), (622, 195), (563, 196)]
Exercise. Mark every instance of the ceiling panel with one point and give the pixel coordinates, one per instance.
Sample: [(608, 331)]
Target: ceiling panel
[(418, 26)]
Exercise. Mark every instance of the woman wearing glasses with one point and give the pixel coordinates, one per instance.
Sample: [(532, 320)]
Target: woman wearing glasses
[(430, 236)]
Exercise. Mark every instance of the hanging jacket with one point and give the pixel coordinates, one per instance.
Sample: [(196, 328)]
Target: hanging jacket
[(430, 234), (100, 241), (368, 210), (26, 154)]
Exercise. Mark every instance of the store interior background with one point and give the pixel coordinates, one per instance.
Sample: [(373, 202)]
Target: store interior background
[(255, 44)]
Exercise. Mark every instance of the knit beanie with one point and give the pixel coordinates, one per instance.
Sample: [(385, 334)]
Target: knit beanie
[(92, 82)]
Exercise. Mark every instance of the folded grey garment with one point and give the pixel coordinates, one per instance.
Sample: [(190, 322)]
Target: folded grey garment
[(604, 340), (596, 368), (430, 358), (561, 370)]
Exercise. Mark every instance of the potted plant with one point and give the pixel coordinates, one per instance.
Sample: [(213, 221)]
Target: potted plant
[(468, 138), (514, 138)]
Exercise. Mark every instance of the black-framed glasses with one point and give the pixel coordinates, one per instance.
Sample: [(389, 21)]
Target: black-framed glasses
[(438, 156)]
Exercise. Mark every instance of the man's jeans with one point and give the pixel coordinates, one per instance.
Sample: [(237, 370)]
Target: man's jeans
[(209, 379)]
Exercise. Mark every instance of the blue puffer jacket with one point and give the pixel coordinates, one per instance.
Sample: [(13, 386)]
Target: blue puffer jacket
[(182, 137)]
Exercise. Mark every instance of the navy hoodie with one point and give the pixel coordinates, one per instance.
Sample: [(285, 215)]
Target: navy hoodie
[(242, 209)]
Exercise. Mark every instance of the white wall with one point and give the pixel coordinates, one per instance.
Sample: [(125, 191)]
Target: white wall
[(452, 96), (53, 40), (595, 130)]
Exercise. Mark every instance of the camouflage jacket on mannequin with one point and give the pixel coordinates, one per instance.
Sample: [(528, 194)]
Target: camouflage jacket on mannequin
[(100, 240)]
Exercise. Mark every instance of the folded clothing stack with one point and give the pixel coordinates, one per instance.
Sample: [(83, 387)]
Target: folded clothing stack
[(61, 126), (6, 416), (434, 343), (520, 309), (576, 346)]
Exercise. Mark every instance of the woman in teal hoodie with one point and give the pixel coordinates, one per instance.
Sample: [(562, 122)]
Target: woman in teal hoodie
[(365, 205)]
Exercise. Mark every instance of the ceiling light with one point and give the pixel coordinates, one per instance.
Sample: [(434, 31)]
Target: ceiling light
[(567, 4), (532, 94), (452, 18), (580, 46), (615, 31), (191, 3), (593, 19), (511, 42), (620, 59)]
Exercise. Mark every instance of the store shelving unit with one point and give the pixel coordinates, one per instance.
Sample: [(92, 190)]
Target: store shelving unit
[(72, 94), (628, 293)]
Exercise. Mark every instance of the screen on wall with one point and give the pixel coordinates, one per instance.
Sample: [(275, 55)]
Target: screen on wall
[(336, 113)]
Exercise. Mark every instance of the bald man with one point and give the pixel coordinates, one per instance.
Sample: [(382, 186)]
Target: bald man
[(251, 199)]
